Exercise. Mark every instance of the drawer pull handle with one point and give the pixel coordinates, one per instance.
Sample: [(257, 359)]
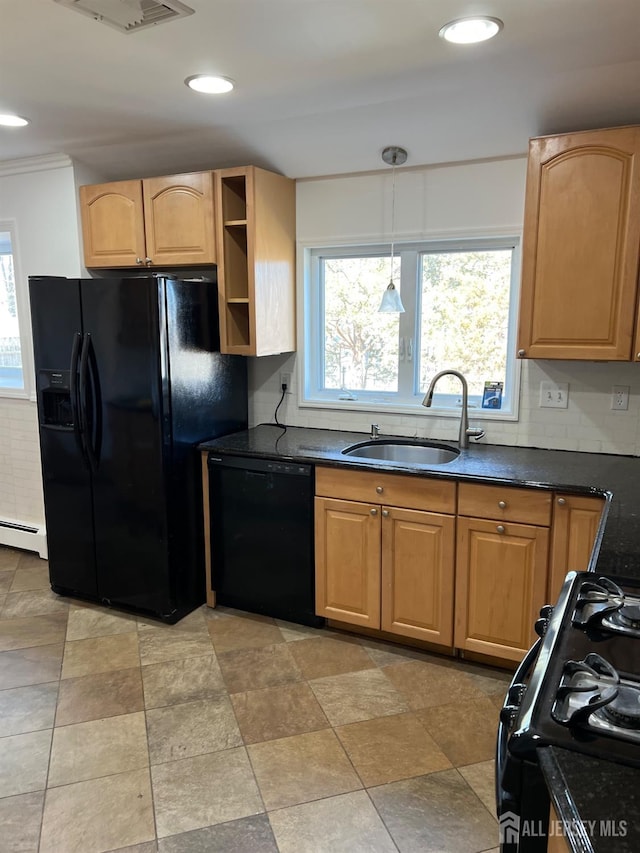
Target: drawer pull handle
[(500, 528), (561, 501), (373, 511), (379, 489), (502, 504), (385, 513)]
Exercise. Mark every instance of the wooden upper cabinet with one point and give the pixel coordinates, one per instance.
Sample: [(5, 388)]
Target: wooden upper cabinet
[(581, 246), (155, 222), (112, 224), (179, 219), (256, 261)]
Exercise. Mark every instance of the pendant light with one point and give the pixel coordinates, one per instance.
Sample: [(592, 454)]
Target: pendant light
[(391, 303)]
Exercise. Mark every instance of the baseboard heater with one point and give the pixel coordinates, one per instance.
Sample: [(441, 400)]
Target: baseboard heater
[(14, 534)]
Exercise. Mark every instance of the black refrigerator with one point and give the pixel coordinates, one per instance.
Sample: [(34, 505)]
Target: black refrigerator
[(129, 380)]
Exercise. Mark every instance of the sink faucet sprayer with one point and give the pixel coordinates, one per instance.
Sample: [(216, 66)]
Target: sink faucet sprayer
[(465, 429), (375, 431)]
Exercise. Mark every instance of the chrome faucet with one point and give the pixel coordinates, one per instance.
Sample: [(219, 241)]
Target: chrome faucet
[(465, 429), (375, 431)]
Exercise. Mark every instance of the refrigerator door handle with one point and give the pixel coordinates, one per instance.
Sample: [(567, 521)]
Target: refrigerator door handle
[(76, 414), (88, 425)]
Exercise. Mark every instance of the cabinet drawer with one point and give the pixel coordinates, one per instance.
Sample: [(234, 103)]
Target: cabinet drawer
[(392, 489), (529, 506)]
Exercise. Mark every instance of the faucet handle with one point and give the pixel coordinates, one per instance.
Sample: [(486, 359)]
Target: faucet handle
[(475, 432)]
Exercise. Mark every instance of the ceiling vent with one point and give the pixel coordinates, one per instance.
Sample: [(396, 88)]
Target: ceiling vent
[(129, 16)]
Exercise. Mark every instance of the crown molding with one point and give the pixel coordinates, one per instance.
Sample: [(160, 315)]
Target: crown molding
[(44, 163)]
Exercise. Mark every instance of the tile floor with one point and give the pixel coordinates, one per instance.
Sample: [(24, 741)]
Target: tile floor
[(231, 732)]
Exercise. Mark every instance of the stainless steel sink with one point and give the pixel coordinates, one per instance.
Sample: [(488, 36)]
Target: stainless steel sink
[(402, 450)]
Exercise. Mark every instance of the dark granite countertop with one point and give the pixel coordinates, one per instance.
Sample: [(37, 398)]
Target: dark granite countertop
[(598, 801), (617, 478)]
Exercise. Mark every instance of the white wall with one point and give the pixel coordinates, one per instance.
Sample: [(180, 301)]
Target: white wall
[(39, 196), (470, 198)]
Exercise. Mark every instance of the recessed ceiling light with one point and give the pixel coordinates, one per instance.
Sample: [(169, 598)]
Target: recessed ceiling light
[(209, 85), (13, 121), (471, 30)]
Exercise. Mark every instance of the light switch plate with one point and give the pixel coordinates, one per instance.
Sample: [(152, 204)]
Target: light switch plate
[(554, 395)]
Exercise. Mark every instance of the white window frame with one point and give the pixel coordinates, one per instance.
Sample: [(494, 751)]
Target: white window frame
[(312, 395), (24, 321)]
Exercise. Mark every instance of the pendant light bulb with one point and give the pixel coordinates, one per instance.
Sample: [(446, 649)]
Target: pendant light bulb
[(391, 301)]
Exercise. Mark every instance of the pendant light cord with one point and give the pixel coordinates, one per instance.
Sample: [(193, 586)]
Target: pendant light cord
[(393, 216)]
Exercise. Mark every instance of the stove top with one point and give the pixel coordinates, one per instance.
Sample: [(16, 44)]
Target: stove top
[(584, 691)]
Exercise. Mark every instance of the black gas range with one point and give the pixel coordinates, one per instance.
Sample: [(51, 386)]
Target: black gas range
[(578, 688)]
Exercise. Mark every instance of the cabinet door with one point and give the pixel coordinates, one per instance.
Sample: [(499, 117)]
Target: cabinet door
[(347, 545), (179, 226), (580, 246), (501, 579), (417, 574), (575, 526), (112, 224)]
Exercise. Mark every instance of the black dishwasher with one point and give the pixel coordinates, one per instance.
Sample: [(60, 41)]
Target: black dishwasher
[(261, 523)]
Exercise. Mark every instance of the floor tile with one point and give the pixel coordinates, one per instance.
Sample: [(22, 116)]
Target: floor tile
[(9, 558), (472, 738), (302, 768), (391, 748), (31, 559), (3, 598), (251, 669), (426, 684), (292, 631), (170, 643), (20, 819), (27, 709), (175, 681), (27, 631), (33, 603), (205, 790), (98, 748), (277, 712), (345, 824), (247, 835), (100, 654), (23, 762), (182, 731), (481, 777), (433, 813), (31, 577), (98, 815), (321, 657), (93, 697), (243, 632), (6, 579), (30, 666), (146, 847), (357, 696), (86, 622), (192, 623), (383, 653)]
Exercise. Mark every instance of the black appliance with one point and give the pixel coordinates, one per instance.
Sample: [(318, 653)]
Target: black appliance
[(261, 513), (577, 688), (129, 379)]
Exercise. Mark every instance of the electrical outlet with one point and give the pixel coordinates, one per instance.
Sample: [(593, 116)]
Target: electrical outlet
[(620, 398), (554, 395), (285, 379)]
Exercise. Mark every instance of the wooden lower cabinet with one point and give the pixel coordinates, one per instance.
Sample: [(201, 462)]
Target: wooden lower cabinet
[(417, 574), (347, 545), (385, 567), (575, 526), (501, 577)]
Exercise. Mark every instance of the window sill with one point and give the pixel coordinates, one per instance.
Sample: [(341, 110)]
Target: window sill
[(383, 408)]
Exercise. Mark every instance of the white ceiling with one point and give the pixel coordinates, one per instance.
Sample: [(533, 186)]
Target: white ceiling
[(321, 85)]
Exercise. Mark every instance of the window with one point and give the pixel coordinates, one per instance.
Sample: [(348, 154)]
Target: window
[(460, 313), (12, 303)]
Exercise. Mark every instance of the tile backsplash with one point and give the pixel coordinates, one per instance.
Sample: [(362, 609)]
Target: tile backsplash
[(588, 423)]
